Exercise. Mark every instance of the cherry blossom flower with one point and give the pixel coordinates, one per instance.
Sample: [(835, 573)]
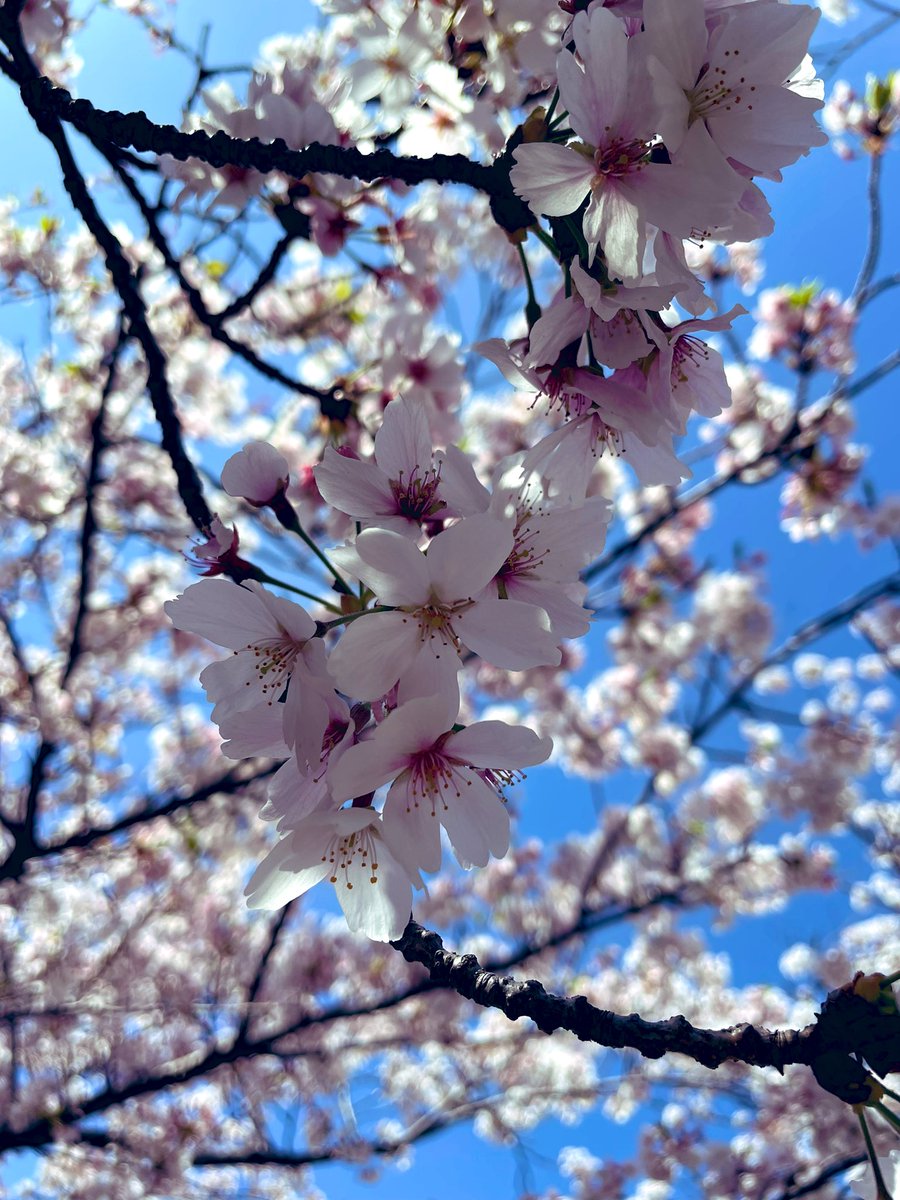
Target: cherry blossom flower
[(551, 544), (348, 848), (731, 83), (401, 488), (810, 327), (685, 375), (389, 60), (274, 648), (567, 457), (441, 603), (873, 117), (440, 777), (608, 108)]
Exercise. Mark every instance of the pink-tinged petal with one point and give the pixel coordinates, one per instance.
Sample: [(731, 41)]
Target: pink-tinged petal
[(364, 768), (697, 191), (563, 322), (718, 322), (373, 653), (655, 464), (232, 685), (612, 220), (568, 619), (403, 443), (393, 567), (379, 902), (780, 128), (499, 746), (566, 457), (509, 634), (622, 400), (675, 32), (571, 537), (292, 796), (417, 725), (408, 730), (226, 613), (306, 714), (464, 559), (552, 179), (672, 104), (287, 871), (606, 302), (699, 383), (288, 616), (430, 674), (772, 41), (477, 823), (595, 96), (352, 486), (619, 342), (254, 732), (497, 352), (411, 827), (460, 489)]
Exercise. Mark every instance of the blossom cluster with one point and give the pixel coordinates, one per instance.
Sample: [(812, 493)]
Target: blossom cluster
[(450, 569), (662, 117)]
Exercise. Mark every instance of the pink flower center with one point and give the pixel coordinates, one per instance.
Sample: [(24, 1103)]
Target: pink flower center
[(435, 621), (432, 774), (561, 393), (617, 159), (417, 497), (689, 354)]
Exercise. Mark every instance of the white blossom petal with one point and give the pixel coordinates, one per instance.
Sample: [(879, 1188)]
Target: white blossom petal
[(509, 634)]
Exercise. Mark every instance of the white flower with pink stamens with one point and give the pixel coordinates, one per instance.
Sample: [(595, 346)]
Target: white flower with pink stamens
[(348, 849), (401, 488), (441, 603), (274, 649), (440, 778), (630, 196)]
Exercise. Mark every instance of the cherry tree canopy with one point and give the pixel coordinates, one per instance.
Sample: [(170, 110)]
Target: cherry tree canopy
[(422, 335)]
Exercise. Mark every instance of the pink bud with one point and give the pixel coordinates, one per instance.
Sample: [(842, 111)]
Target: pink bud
[(258, 473)]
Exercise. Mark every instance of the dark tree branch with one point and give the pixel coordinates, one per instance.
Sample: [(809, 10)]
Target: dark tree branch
[(794, 1191), (89, 524), (262, 967), (219, 150), (189, 486), (653, 1039), (228, 784), (808, 632), (263, 279), (333, 403), (793, 443)]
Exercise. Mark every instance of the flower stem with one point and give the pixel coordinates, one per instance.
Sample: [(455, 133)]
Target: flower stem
[(881, 1188), (543, 236), (532, 308), (890, 1117), (265, 577), (324, 626), (284, 511)]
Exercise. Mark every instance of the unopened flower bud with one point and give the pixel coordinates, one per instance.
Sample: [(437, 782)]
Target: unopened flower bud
[(257, 474)]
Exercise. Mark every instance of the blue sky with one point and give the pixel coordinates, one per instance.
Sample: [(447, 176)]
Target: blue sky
[(820, 233)]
